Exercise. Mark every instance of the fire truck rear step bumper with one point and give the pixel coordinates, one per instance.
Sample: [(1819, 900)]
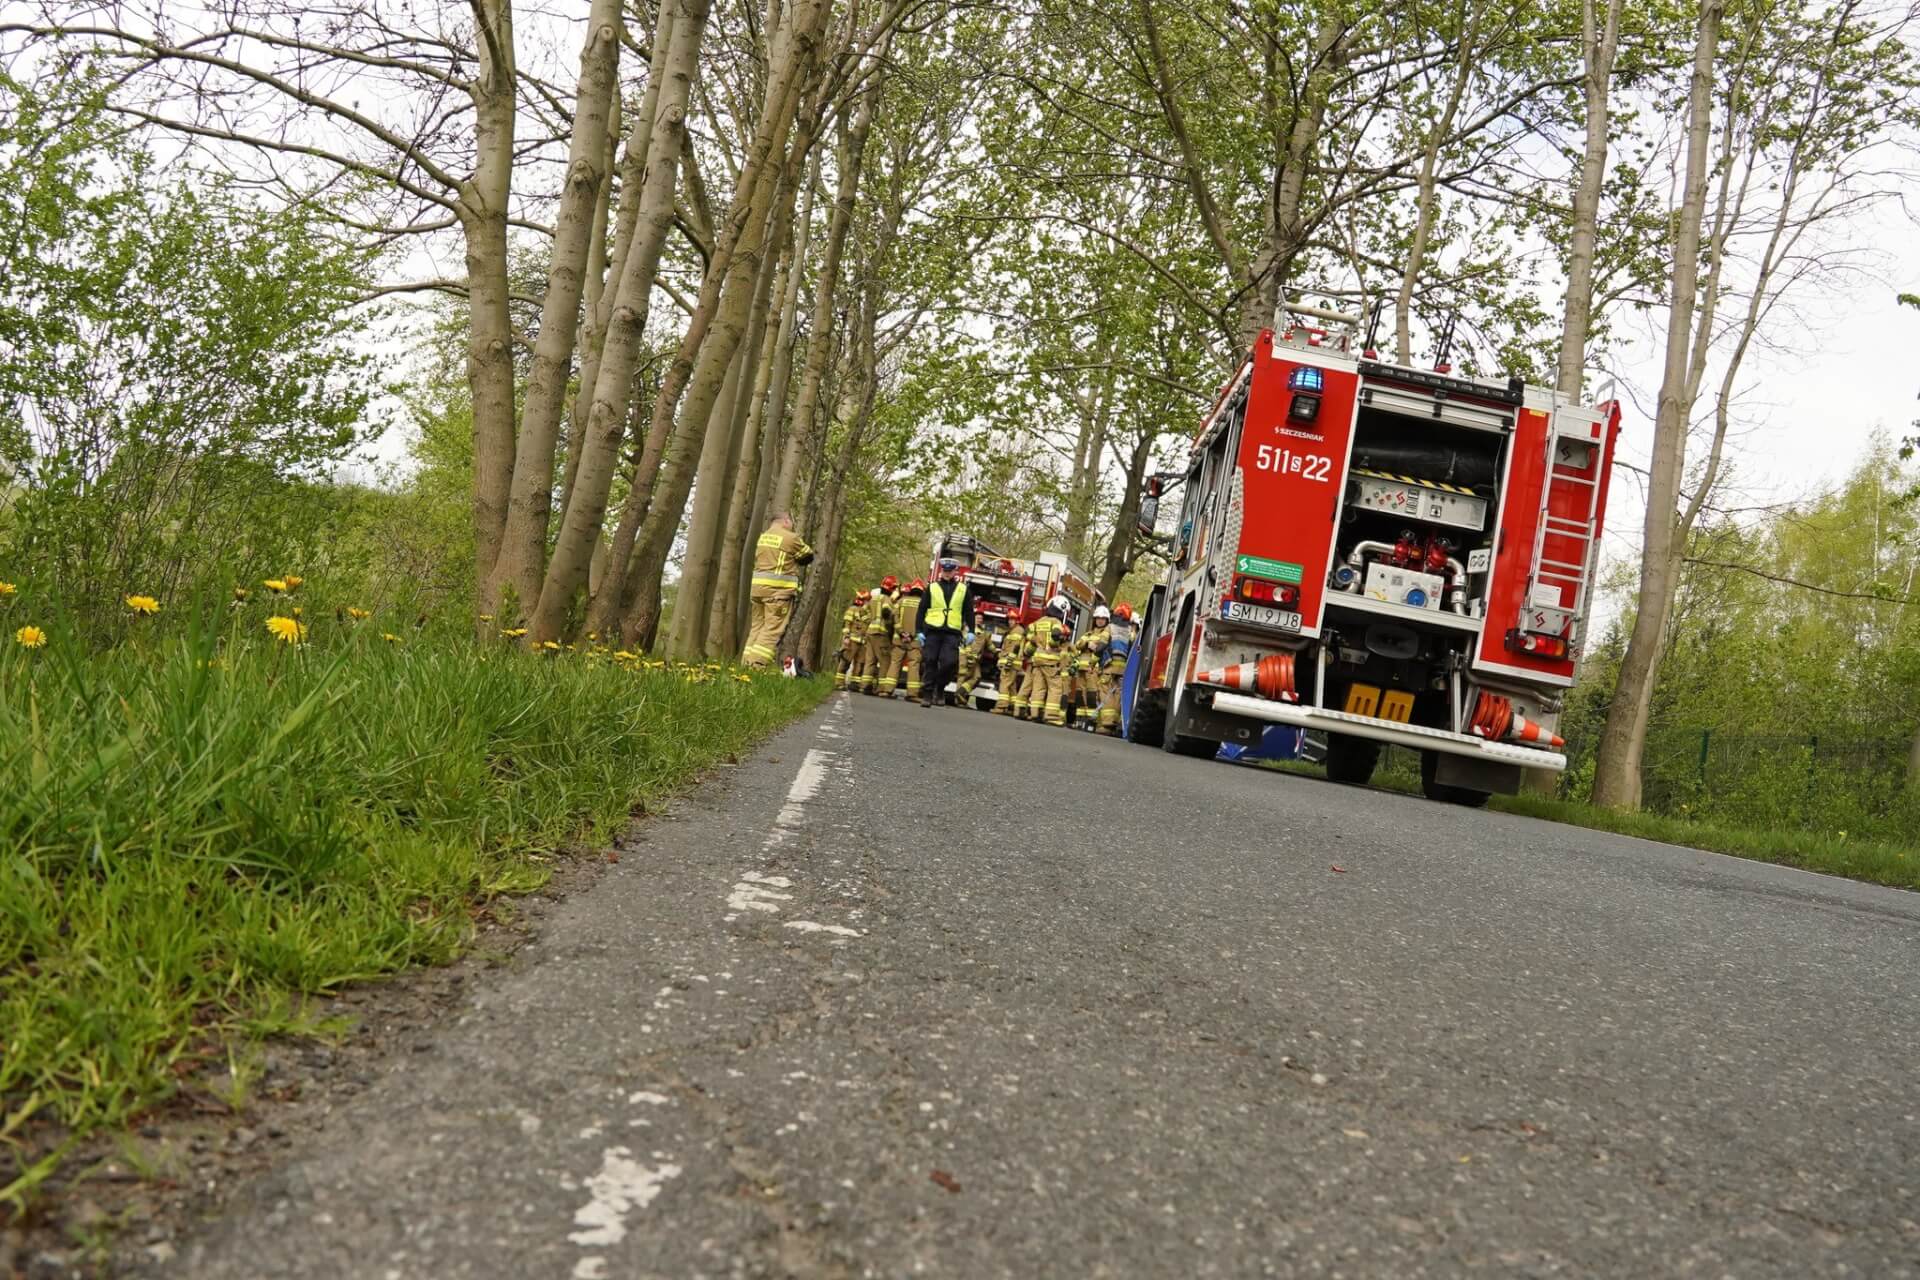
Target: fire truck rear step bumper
[(1418, 737)]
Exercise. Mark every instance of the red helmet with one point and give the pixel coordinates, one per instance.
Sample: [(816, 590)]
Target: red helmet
[(1123, 611), (918, 584), (861, 597), (890, 582)]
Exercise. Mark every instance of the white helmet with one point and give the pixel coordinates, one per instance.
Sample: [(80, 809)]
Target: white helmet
[(1058, 602), (1100, 613)]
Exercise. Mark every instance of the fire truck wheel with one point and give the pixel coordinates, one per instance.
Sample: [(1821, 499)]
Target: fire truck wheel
[(1147, 722), (1434, 789), (1351, 760)]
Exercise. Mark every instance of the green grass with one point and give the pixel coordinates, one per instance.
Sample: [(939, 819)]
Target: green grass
[(200, 829), (1870, 859)]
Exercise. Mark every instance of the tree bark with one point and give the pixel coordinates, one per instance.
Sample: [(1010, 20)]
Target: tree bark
[(483, 215), (522, 560), (1089, 454), (633, 177), (1600, 42), (580, 525), (657, 501), (852, 150), (1616, 781), (1286, 232), (1119, 559)]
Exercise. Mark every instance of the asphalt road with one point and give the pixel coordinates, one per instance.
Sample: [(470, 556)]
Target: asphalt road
[(936, 993)]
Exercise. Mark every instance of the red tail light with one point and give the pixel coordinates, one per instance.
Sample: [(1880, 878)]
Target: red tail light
[(1284, 595), (1537, 646)]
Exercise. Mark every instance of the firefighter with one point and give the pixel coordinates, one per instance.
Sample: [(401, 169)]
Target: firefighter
[(1088, 653), (1013, 676), (973, 644), (1113, 667), (777, 559), (878, 641), (853, 625), (943, 625), (907, 640), (1047, 685)]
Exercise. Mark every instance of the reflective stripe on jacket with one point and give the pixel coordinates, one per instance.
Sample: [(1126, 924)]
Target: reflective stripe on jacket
[(777, 558)]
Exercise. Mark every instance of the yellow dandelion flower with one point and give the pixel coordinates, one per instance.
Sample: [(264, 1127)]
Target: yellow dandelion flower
[(486, 617), (31, 637), (626, 656), (276, 585), (358, 615), (744, 679), (143, 604), (389, 637), (6, 589), (286, 630), (296, 611), (294, 581), (551, 646), (514, 633)]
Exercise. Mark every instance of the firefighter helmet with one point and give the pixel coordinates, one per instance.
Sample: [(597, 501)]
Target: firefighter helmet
[(889, 582), (1123, 611), (918, 584), (1100, 613), (1058, 605), (861, 597)]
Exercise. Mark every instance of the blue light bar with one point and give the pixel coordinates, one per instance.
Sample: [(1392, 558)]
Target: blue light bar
[(1306, 379)]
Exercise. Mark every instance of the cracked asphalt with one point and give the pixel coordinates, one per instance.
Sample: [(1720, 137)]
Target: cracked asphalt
[(935, 993)]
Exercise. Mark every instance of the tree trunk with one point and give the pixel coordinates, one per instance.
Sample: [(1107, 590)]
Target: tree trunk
[(853, 146), (483, 216), (702, 572), (522, 560), (1616, 782), (1096, 414), (1600, 42), (656, 502), (1423, 220), (580, 525), (633, 177), (1286, 234), (773, 413), (1119, 560), (748, 471)]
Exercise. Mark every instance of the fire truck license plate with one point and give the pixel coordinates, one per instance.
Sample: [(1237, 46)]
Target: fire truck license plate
[(1261, 615)]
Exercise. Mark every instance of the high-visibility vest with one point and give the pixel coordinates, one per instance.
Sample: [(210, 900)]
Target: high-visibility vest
[(944, 614)]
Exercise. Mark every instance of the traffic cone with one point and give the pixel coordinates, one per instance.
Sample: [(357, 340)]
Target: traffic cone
[(1241, 675), (1270, 677), (1525, 730)]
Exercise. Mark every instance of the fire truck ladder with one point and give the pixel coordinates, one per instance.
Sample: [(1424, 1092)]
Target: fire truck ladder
[(1566, 442)]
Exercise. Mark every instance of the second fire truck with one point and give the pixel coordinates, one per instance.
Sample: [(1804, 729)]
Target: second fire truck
[(1384, 554)]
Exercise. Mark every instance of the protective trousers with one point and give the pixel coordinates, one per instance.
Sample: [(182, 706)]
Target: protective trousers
[(1019, 684), (941, 662), (1108, 719), (769, 609), (866, 668), (968, 674), (906, 652), (849, 659), (1046, 687)]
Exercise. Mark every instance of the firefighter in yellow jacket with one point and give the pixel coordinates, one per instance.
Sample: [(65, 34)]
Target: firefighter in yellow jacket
[(853, 634), (1113, 666), (975, 644), (878, 644), (906, 639), (1088, 653), (1013, 656), (777, 559), (1048, 638)]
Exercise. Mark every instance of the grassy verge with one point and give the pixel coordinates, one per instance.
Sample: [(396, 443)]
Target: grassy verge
[(198, 830), (1833, 853)]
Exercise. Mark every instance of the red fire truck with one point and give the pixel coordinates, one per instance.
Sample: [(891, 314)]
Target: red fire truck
[(1382, 554)]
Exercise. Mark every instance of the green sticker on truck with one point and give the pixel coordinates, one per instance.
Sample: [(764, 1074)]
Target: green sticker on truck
[(1260, 566)]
